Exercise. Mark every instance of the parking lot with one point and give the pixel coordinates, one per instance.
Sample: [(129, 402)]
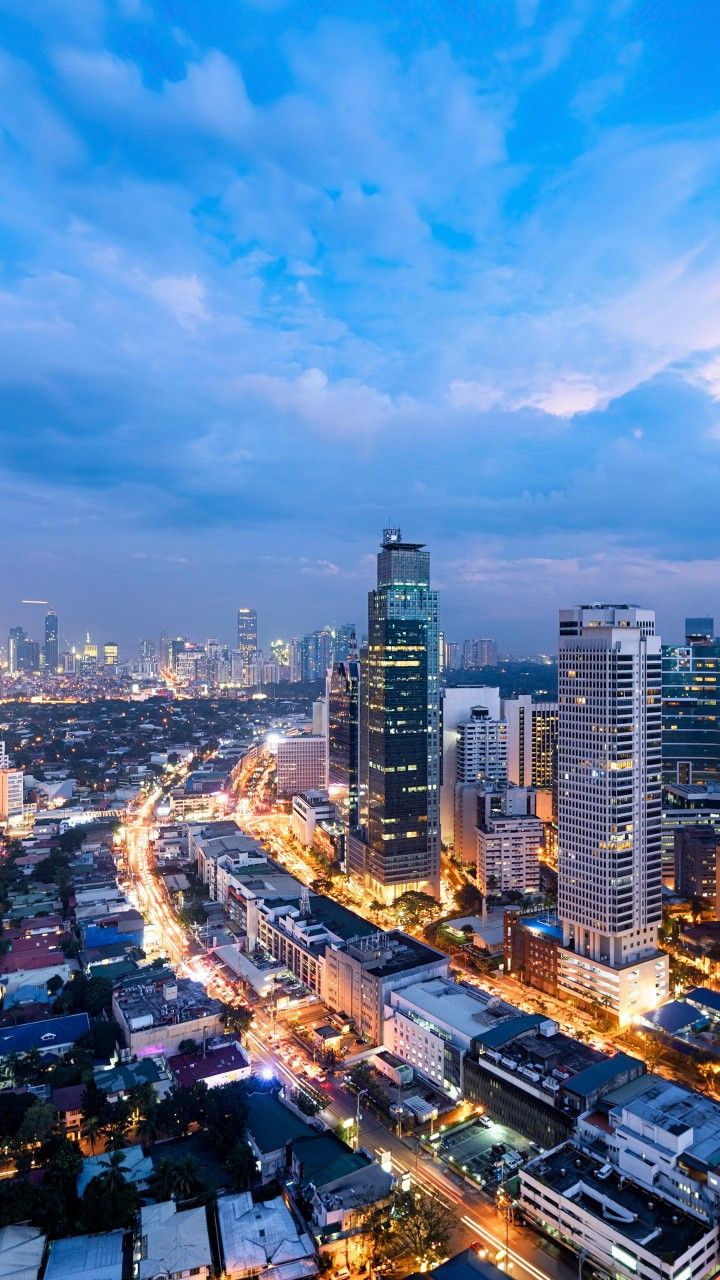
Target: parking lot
[(485, 1152)]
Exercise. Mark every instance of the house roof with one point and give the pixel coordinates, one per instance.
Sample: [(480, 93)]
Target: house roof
[(137, 1167), (257, 1236), (69, 1098), (172, 1240), (48, 1034), (21, 1252), (188, 1068), (80, 1257), (325, 1157)]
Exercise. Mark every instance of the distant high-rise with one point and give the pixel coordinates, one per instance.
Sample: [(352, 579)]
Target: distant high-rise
[(23, 653), (343, 730), (401, 849), (51, 648), (479, 653), (316, 654), (691, 723), (609, 741), (247, 634), (532, 741), (110, 654)]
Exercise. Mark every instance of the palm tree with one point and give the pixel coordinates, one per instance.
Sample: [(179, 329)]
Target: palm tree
[(148, 1130), (186, 1180), (92, 1127), (115, 1139), (113, 1175), (162, 1179)]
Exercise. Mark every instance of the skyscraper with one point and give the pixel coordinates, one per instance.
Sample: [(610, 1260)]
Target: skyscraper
[(609, 741), (51, 648), (247, 637), (23, 653), (691, 689), (343, 731), (400, 850)]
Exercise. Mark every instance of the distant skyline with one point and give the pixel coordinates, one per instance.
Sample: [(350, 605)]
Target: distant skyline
[(271, 276)]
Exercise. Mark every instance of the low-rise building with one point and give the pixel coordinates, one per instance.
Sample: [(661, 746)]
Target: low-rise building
[(262, 1238), (68, 1102), (80, 1257), (308, 809), (271, 1129), (118, 1080), (172, 1243), (22, 1248), (50, 1036), (612, 1220), (223, 1063), (156, 1011), (136, 1166)]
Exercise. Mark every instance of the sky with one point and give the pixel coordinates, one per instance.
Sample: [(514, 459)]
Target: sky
[(277, 273)]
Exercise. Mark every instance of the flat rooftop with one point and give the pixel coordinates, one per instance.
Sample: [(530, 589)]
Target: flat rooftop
[(139, 998), (463, 1009), (397, 952), (679, 1112), (645, 1220)]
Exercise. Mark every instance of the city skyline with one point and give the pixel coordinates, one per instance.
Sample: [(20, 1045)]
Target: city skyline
[(272, 279)]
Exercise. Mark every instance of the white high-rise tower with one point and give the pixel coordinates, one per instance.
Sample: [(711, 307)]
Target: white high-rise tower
[(609, 803)]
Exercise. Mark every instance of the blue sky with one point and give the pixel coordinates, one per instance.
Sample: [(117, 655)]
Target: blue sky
[(271, 275)]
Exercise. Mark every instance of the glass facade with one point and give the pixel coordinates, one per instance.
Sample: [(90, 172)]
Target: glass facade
[(691, 727), (402, 720), (343, 701)]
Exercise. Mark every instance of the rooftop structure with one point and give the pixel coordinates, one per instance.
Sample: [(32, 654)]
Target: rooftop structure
[(217, 1067), (262, 1238), (155, 1011), (624, 1230), (172, 1242)]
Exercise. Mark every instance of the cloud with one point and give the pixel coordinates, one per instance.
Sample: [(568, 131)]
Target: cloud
[(183, 296), (344, 407)]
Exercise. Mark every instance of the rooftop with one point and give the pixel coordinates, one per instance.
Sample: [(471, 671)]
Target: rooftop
[(172, 1240), (166, 1001), (663, 1230), (465, 1010), (397, 952), (272, 1124), (594, 1077), (690, 1118), (137, 1167), (323, 1157), (466, 1266), (21, 1252), (49, 1034), (80, 1257), (255, 1237), (188, 1068)]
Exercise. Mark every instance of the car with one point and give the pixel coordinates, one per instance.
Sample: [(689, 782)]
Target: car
[(485, 1122)]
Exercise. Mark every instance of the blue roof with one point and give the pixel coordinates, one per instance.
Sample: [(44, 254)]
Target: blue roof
[(494, 1037), (47, 1035), (672, 1017), (98, 1257), (705, 997), (601, 1073)]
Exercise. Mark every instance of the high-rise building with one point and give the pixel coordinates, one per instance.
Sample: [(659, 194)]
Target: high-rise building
[(532, 741), (110, 654), (247, 633), (301, 765), (401, 847), (343, 730), (11, 794), (609, 797), (453, 656), (456, 704), (691, 705), (345, 642), (23, 653), (697, 863), (316, 654), (482, 749), (510, 840), (51, 647), (479, 653)]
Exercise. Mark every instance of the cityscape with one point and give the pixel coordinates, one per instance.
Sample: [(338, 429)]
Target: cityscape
[(359, 640)]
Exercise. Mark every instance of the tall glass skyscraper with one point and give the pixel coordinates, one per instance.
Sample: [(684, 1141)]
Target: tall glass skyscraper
[(247, 637), (691, 725), (51, 649), (401, 850), (343, 720)]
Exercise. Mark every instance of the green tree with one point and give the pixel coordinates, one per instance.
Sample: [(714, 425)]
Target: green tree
[(186, 1181), (237, 1019), (92, 1127), (161, 1182), (422, 1227), (105, 1209), (241, 1165)]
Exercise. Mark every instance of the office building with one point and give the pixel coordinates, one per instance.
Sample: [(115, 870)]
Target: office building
[(11, 794), (247, 634), (343, 734), (361, 972), (697, 863), (51, 647), (344, 642), (609, 1217), (609, 797), (531, 741), (23, 653), (301, 765), (510, 840), (309, 809), (316, 654), (401, 847), (453, 656), (694, 804), (456, 704), (691, 724), (110, 654)]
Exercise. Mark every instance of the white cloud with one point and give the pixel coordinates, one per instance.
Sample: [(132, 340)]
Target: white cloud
[(183, 297), (342, 407)]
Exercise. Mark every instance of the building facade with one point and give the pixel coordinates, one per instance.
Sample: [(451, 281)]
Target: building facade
[(691, 724), (343, 733), (401, 849), (609, 807), (301, 765)]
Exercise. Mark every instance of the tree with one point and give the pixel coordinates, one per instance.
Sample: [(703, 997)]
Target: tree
[(105, 1209), (92, 1127), (186, 1181), (422, 1226), (237, 1019), (188, 1046), (162, 1180), (148, 1129), (241, 1165), (469, 899), (113, 1174), (413, 906), (37, 1124)]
